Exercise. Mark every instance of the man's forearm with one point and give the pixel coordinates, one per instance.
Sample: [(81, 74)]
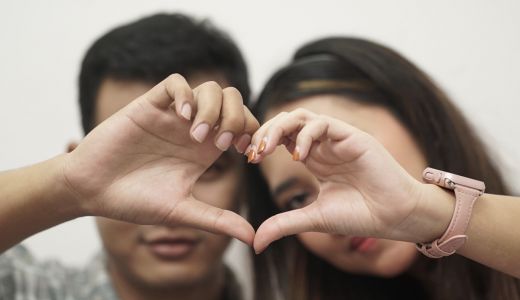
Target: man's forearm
[(32, 199)]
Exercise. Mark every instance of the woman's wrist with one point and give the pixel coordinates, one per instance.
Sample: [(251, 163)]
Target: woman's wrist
[(433, 213)]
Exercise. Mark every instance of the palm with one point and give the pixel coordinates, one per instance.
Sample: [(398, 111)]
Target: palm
[(140, 166), (356, 197), (353, 194), (154, 151)]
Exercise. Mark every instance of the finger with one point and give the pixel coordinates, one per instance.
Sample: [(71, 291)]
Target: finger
[(232, 119), (252, 124), (285, 126), (260, 132), (250, 127), (337, 129), (284, 224), (208, 97), (200, 215), (311, 132), (258, 140), (174, 89)]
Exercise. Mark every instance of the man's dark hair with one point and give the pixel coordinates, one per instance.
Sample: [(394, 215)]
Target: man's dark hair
[(154, 47)]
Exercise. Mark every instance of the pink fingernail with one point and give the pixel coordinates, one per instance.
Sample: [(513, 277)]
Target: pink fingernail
[(200, 132), (186, 111), (224, 140)]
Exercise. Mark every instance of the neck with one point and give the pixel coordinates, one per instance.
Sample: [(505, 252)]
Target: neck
[(210, 288)]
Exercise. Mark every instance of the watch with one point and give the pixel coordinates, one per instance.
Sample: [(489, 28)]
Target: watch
[(467, 191)]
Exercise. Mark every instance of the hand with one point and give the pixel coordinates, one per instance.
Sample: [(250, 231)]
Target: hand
[(141, 164), (363, 190)]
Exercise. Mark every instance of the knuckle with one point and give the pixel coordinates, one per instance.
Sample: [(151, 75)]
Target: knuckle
[(174, 77), (282, 114), (233, 91), (302, 113), (212, 85)]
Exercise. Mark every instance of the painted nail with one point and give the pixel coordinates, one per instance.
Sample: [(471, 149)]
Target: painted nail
[(242, 143), (186, 111), (200, 132), (262, 145), (296, 154), (224, 140), (251, 155)]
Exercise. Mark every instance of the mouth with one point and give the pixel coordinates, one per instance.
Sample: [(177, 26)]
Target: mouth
[(362, 244), (171, 247)]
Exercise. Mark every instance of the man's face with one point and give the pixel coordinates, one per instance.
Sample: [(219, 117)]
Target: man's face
[(158, 256)]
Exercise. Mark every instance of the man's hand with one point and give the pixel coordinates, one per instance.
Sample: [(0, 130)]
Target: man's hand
[(141, 164)]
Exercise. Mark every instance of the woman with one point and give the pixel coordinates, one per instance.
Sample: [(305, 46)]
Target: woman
[(376, 90)]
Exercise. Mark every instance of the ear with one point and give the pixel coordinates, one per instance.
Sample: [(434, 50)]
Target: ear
[(71, 146)]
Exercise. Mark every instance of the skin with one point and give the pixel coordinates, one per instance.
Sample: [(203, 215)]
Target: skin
[(136, 269), (365, 192), (150, 180), (159, 161), (385, 258)]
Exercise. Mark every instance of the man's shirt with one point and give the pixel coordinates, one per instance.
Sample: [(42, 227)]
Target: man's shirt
[(22, 277)]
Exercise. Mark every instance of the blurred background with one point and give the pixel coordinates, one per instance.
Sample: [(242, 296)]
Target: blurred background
[(471, 48)]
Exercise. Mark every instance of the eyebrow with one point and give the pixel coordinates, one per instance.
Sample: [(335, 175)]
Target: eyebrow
[(284, 186)]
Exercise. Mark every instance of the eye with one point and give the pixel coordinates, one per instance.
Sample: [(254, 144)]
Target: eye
[(298, 200)]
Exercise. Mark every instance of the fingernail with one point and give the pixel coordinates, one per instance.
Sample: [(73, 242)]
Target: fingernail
[(200, 132), (186, 111), (224, 140), (262, 145), (296, 154), (242, 143), (251, 155)]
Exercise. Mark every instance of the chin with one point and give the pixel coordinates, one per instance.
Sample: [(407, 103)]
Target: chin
[(392, 265), (174, 277), (390, 271)]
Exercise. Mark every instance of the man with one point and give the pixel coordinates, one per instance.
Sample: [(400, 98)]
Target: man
[(151, 261)]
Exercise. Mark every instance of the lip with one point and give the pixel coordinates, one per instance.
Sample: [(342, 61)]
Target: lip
[(171, 247), (362, 244)]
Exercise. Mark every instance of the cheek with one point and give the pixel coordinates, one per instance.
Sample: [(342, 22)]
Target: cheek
[(215, 246), (119, 237), (402, 147), (222, 192), (395, 259), (321, 244)]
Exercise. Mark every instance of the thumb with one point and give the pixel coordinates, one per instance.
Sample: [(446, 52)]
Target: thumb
[(284, 224), (197, 214)]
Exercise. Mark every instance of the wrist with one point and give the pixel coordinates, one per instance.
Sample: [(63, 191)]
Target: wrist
[(59, 191), (433, 212)]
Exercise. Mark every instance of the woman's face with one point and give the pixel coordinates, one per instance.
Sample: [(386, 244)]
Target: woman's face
[(293, 186)]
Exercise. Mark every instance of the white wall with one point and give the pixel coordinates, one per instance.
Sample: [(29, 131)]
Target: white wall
[(472, 48)]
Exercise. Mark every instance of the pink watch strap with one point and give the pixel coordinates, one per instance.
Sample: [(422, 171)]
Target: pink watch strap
[(466, 193)]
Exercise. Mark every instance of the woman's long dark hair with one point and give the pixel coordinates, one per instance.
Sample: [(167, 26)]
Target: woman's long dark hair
[(368, 72)]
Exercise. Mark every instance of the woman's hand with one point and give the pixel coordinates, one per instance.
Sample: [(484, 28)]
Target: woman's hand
[(363, 190), (141, 164)]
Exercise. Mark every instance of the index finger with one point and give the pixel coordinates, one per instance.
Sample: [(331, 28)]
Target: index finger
[(174, 89)]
